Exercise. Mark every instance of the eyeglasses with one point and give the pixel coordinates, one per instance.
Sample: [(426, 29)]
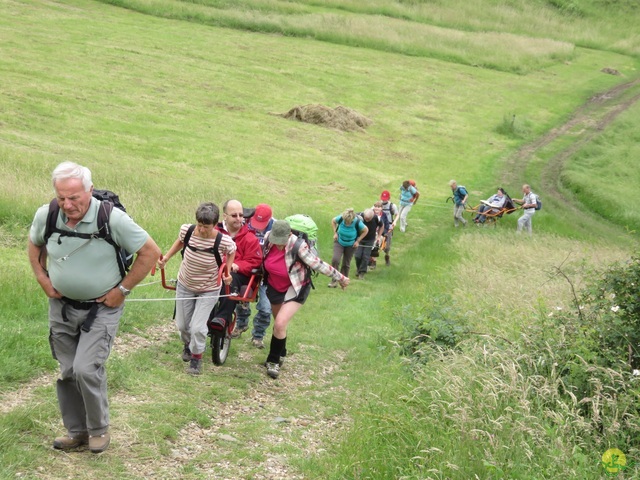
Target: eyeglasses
[(234, 215)]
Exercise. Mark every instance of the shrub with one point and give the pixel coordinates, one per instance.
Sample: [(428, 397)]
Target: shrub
[(614, 302), (438, 325), (514, 126)]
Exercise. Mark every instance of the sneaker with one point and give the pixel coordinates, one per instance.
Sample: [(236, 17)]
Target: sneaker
[(280, 362), (195, 367), (273, 369), (186, 353), (99, 443), (68, 442), (237, 331), (361, 276), (333, 284), (257, 342)]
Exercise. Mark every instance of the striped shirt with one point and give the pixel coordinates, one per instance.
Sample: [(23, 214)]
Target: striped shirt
[(199, 270)]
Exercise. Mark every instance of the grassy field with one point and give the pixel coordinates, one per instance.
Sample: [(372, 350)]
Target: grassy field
[(169, 109)]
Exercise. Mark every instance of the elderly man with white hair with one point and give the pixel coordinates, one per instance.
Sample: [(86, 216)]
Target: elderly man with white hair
[(374, 235)]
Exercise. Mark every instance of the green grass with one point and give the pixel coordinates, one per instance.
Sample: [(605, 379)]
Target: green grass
[(169, 113), (604, 176)]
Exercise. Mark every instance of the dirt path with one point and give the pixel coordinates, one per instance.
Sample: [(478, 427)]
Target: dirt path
[(587, 122)]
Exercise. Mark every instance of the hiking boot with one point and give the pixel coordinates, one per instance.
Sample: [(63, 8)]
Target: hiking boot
[(195, 367), (333, 284), (280, 362), (186, 353), (237, 331), (273, 369), (69, 443), (99, 443), (361, 276), (257, 342)]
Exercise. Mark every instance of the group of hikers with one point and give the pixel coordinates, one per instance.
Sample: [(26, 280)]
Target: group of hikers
[(87, 255), (495, 206)]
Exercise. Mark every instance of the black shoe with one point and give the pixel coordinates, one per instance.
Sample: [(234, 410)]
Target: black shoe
[(186, 353), (195, 366)]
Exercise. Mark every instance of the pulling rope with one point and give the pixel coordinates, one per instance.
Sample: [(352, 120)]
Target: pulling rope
[(176, 299)]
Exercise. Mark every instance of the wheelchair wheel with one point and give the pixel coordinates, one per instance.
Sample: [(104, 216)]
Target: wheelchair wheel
[(220, 343)]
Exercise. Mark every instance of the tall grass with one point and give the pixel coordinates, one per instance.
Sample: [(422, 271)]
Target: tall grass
[(531, 23), (477, 414), (499, 50)]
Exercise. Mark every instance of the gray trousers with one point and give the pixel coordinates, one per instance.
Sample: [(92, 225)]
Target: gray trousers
[(82, 386), (404, 211), (524, 222), (363, 254), (458, 210), (192, 313)]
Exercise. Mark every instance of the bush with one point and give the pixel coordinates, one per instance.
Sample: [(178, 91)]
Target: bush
[(514, 126), (438, 325), (614, 302)]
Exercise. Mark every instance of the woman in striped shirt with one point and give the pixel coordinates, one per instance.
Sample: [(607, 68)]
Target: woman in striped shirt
[(198, 285)]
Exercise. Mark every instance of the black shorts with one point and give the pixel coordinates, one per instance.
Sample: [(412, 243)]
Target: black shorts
[(278, 298)]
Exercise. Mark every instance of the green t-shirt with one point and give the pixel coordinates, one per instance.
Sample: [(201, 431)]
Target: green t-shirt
[(83, 269)]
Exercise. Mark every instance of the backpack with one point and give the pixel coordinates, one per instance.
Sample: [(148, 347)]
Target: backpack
[(306, 230), (213, 250), (108, 200), (538, 203), (303, 225), (460, 193), (388, 212)]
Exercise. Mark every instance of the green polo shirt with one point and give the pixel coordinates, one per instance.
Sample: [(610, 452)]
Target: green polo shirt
[(84, 269)]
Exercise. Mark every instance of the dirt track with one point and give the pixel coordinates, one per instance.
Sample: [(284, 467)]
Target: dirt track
[(588, 121)]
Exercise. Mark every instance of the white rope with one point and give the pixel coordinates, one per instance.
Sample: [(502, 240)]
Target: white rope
[(176, 299), (437, 205), (147, 284)]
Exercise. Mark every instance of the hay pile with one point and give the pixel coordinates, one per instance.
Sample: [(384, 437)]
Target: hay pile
[(341, 118)]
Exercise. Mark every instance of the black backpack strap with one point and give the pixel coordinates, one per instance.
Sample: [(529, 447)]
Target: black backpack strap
[(187, 236), (295, 249), (104, 231), (215, 250), (50, 227), (52, 218)]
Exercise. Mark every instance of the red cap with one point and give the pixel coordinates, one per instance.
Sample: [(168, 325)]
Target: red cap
[(385, 196), (261, 217), (412, 182)]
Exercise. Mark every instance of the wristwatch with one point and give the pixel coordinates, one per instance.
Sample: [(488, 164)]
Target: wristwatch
[(125, 291)]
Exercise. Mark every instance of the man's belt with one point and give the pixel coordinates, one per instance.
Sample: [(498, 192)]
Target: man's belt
[(91, 306)]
